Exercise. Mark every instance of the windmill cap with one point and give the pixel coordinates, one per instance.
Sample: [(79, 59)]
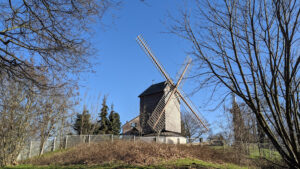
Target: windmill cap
[(155, 88)]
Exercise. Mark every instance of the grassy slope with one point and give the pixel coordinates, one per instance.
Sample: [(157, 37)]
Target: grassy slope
[(180, 163), (124, 154)]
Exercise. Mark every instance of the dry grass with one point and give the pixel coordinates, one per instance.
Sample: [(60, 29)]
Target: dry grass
[(138, 153)]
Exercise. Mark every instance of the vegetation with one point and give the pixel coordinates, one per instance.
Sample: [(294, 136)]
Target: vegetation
[(114, 126), (141, 154), (180, 163), (103, 122), (43, 47), (249, 48), (26, 114), (83, 124), (190, 127), (47, 37)]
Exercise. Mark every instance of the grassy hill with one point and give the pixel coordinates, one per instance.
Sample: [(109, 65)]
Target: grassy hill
[(125, 154)]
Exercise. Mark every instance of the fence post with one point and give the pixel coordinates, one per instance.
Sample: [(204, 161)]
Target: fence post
[(269, 150), (54, 140), (66, 141), (112, 138), (134, 138), (248, 148), (89, 139), (29, 155)]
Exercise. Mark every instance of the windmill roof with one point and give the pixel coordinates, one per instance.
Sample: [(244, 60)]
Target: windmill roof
[(155, 88)]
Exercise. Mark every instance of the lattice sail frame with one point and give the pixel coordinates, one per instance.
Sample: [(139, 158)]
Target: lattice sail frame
[(157, 118)]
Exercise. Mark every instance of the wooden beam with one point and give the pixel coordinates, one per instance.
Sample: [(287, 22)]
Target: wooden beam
[(149, 53), (174, 89), (192, 110)]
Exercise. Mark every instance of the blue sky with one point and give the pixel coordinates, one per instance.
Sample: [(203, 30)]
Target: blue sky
[(124, 71)]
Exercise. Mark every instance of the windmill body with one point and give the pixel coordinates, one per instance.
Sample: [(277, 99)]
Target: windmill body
[(170, 120)]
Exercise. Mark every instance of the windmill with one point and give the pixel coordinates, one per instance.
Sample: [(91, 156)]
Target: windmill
[(156, 119)]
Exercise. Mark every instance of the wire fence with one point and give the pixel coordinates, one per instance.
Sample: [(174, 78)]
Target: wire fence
[(257, 150), (34, 148), (252, 150)]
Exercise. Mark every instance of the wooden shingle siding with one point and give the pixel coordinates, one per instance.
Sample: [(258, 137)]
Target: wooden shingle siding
[(149, 100)]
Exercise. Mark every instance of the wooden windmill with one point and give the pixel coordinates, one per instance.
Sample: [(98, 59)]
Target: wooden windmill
[(156, 120)]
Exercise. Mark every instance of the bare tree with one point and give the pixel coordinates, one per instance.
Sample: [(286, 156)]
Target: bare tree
[(39, 35), (43, 45), (191, 127), (251, 47), (17, 116), (238, 129), (54, 106), (28, 113)]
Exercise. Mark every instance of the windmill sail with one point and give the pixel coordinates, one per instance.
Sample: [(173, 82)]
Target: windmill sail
[(149, 53), (156, 120), (201, 120), (157, 117)]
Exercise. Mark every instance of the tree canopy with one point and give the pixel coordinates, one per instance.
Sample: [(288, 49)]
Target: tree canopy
[(103, 122), (250, 48), (47, 37), (114, 122), (83, 124)]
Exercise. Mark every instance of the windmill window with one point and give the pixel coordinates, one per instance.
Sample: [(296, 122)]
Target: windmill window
[(133, 125)]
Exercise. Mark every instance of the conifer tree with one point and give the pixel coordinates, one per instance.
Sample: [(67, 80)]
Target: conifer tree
[(83, 124), (103, 122), (111, 119), (114, 122), (238, 123)]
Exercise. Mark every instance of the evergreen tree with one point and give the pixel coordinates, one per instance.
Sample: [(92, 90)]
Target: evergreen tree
[(239, 129), (103, 122), (83, 124), (114, 122), (111, 119)]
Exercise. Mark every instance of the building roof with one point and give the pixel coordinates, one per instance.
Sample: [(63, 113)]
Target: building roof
[(130, 121), (155, 88)]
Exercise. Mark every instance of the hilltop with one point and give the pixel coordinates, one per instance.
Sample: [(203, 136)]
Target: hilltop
[(125, 154)]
